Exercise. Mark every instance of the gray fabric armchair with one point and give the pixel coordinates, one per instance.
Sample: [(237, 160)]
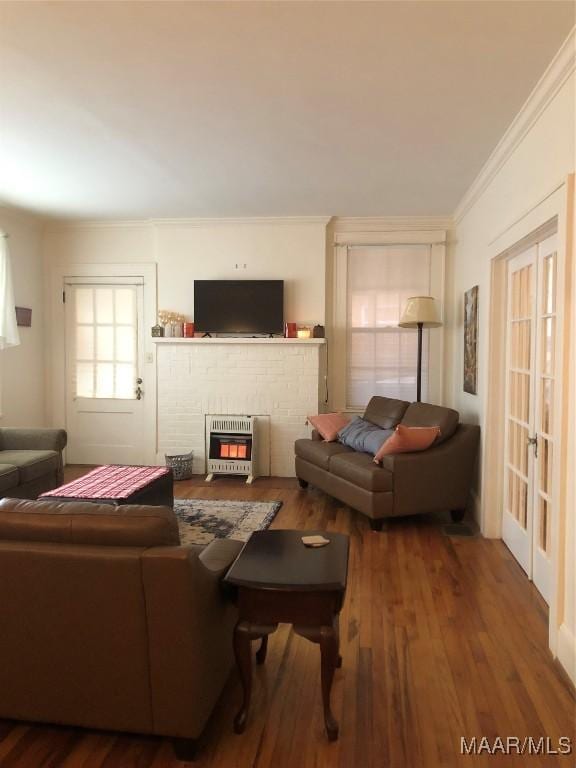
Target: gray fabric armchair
[(30, 461)]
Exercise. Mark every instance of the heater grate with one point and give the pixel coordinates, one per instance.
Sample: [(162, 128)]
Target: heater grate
[(231, 424)]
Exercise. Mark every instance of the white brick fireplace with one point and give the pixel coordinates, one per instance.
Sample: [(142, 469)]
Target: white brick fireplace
[(278, 380)]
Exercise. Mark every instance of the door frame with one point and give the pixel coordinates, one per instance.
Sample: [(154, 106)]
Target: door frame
[(56, 348), (551, 214)]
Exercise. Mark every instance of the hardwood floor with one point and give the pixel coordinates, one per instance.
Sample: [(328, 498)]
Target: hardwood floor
[(442, 638)]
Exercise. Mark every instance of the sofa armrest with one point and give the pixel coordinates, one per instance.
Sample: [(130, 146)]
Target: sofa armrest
[(219, 555), (14, 439), (437, 479)]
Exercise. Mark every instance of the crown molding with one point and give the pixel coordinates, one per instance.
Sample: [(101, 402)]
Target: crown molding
[(558, 71), (233, 221), (58, 225), (67, 224), (390, 223)]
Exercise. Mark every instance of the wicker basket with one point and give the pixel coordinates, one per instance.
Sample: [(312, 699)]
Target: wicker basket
[(181, 464)]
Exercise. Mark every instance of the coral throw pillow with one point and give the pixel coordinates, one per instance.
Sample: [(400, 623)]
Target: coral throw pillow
[(407, 440), (329, 424)]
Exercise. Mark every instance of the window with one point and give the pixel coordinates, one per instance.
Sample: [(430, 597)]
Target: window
[(382, 356), (374, 272)]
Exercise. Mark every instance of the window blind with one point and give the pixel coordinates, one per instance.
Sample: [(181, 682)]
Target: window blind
[(381, 356)]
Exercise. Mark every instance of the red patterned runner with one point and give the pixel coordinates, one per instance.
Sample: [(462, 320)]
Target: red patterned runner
[(111, 481)]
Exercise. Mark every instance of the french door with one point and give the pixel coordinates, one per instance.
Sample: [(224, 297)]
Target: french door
[(104, 385), (529, 501)]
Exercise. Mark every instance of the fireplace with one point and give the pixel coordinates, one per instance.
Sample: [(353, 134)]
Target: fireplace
[(230, 446)]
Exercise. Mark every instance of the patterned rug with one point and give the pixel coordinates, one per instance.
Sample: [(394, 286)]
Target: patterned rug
[(201, 520)]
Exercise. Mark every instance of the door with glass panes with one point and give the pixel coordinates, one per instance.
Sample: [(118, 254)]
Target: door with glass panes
[(104, 386), (529, 500)]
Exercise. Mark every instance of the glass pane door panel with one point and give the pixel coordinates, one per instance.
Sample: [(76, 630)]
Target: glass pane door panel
[(547, 393), (84, 305), (106, 341)]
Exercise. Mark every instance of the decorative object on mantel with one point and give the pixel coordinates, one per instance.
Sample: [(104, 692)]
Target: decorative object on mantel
[(304, 332), (188, 330), (202, 520), (173, 323), (157, 331), (290, 330), (471, 341), (420, 312), (24, 317), (318, 332)]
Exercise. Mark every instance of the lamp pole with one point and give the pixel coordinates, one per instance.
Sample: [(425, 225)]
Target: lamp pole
[(419, 371)]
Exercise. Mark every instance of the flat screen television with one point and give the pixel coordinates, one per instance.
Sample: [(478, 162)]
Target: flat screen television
[(239, 306)]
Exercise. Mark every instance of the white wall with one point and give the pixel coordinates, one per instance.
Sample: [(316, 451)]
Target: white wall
[(528, 186), (281, 249), (22, 368)]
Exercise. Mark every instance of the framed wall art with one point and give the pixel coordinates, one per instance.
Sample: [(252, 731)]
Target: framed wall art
[(471, 341)]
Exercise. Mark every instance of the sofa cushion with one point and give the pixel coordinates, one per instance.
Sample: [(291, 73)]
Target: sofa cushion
[(31, 464), (407, 440), (359, 469), (319, 453), (82, 522), (385, 412), (427, 415), (328, 424), (9, 477), (362, 435)]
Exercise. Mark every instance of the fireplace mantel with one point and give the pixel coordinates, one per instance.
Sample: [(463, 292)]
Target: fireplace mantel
[(235, 340)]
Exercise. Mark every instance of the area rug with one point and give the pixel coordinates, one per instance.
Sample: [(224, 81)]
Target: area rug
[(201, 520)]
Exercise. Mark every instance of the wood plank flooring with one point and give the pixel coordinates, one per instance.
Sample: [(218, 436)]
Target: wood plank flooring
[(442, 638)]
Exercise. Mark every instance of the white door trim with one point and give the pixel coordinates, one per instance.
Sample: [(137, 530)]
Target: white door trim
[(554, 208), (56, 351)]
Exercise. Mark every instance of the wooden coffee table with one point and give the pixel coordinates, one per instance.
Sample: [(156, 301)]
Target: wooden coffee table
[(119, 484), (279, 580)]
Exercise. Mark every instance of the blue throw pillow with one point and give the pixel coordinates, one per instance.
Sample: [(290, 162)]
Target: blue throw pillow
[(363, 436)]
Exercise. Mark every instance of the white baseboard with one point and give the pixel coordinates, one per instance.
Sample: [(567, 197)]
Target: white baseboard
[(566, 651)]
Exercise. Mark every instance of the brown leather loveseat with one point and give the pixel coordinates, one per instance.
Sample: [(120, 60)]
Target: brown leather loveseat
[(107, 622), (434, 480)]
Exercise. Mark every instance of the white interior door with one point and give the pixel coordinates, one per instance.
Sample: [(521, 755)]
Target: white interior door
[(104, 386), (517, 519), (531, 329), (543, 491)]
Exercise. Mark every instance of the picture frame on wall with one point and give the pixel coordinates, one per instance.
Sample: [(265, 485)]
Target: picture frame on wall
[(471, 341)]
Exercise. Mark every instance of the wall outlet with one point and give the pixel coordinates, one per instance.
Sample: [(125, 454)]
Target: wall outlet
[(239, 266)]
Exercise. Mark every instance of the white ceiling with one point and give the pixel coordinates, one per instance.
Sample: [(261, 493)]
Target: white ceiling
[(155, 109)]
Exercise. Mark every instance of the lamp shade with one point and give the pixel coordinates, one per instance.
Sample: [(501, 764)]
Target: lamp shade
[(420, 309)]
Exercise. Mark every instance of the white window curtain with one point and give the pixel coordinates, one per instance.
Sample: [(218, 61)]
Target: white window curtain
[(9, 336), (382, 356)]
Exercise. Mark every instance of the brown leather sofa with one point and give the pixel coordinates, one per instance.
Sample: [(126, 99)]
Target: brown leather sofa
[(108, 623), (434, 480), (30, 461)]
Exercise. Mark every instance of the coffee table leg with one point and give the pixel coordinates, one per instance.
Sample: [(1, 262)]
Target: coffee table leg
[(261, 652), (329, 660), (242, 651)]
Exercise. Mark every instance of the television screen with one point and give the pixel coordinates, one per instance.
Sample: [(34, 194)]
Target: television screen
[(239, 306)]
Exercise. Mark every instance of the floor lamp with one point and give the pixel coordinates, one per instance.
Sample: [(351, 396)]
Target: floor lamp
[(420, 312)]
